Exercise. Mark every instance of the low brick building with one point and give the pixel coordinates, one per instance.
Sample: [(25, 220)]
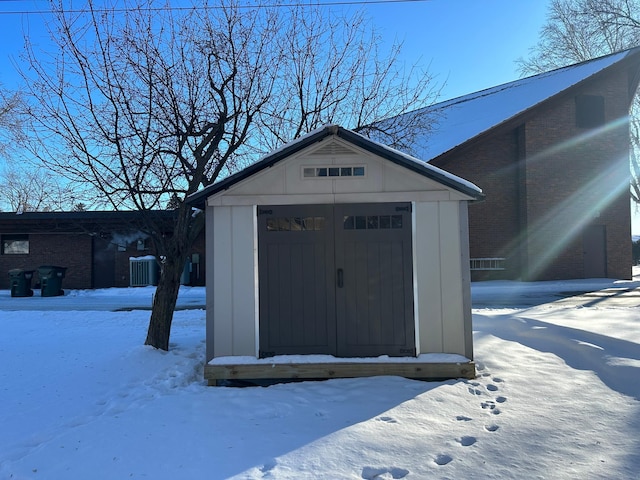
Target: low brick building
[(551, 153), (95, 247)]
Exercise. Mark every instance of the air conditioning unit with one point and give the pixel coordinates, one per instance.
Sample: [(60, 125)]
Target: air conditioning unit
[(143, 271)]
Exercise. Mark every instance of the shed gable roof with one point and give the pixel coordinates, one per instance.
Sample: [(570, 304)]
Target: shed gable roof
[(462, 119), (198, 199)]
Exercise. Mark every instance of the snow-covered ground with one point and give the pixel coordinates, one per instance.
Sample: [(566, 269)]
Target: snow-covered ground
[(557, 396)]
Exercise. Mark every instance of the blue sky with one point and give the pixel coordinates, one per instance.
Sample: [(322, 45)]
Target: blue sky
[(469, 44)]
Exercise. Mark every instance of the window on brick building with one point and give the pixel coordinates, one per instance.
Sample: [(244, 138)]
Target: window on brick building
[(589, 111), (14, 244)]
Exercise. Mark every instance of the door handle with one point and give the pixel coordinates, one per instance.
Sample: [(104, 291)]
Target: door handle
[(340, 278)]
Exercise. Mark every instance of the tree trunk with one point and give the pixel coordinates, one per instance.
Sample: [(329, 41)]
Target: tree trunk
[(174, 250), (164, 303)]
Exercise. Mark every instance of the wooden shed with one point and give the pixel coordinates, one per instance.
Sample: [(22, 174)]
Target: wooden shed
[(336, 256)]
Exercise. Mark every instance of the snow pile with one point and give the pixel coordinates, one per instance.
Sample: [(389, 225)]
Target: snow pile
[(557, 396)]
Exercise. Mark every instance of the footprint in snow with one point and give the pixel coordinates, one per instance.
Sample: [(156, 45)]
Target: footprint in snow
[(490, 405), (443, 459), (462, 418), (501, 399), (377, 473), (386, 419), (466, 441), (492, 388), (491, 428)]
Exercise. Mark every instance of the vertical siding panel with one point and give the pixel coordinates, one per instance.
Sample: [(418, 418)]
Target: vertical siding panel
[(466, 280), (242, 277), (211, 282), (428, 273), (221, 288), (452, 312)]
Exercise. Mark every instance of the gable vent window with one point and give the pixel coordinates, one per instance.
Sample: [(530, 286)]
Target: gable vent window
[(15, 245), (332, 171), (589, 111)]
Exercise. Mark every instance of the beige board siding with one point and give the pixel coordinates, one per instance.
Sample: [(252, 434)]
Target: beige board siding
[(465, 274), (452, 292), (440, 289), (442, 294), (234, 277), (286, 178), (427, 274), (210, 284)]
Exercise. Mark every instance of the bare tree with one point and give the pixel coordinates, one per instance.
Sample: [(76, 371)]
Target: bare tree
[(149, 104), (33, 189), (10, 126), (22, 187), (579, 30)]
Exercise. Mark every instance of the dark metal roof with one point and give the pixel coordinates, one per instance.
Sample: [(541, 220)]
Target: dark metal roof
[(82, 222), (198, 199)]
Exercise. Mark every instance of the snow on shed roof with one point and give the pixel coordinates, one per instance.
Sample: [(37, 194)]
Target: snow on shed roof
[(463, 118), (198, 199)]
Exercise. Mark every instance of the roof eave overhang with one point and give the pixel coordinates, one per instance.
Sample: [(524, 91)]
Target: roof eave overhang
[(415, 166), (199, 199)]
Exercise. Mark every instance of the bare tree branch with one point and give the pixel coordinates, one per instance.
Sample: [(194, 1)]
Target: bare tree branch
[(578, 30), (148, 105)]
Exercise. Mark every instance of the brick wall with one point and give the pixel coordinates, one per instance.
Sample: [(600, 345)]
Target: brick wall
[(577, 177), (76, 252), (72, 251), (494, 224), (536, 210)]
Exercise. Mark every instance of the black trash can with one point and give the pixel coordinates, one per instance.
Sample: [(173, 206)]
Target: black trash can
[(51, 280), (20, 282)]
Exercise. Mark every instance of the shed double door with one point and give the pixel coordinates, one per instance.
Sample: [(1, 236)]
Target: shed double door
[(336, 280)]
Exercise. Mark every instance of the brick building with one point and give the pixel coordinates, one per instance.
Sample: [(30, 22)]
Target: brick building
[(94, 247), (551, 153)]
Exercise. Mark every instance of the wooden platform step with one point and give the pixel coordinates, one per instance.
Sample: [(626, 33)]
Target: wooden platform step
[(217, 373)]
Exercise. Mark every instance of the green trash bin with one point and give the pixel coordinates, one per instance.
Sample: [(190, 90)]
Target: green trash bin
[(20, 282), (51, 280)]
